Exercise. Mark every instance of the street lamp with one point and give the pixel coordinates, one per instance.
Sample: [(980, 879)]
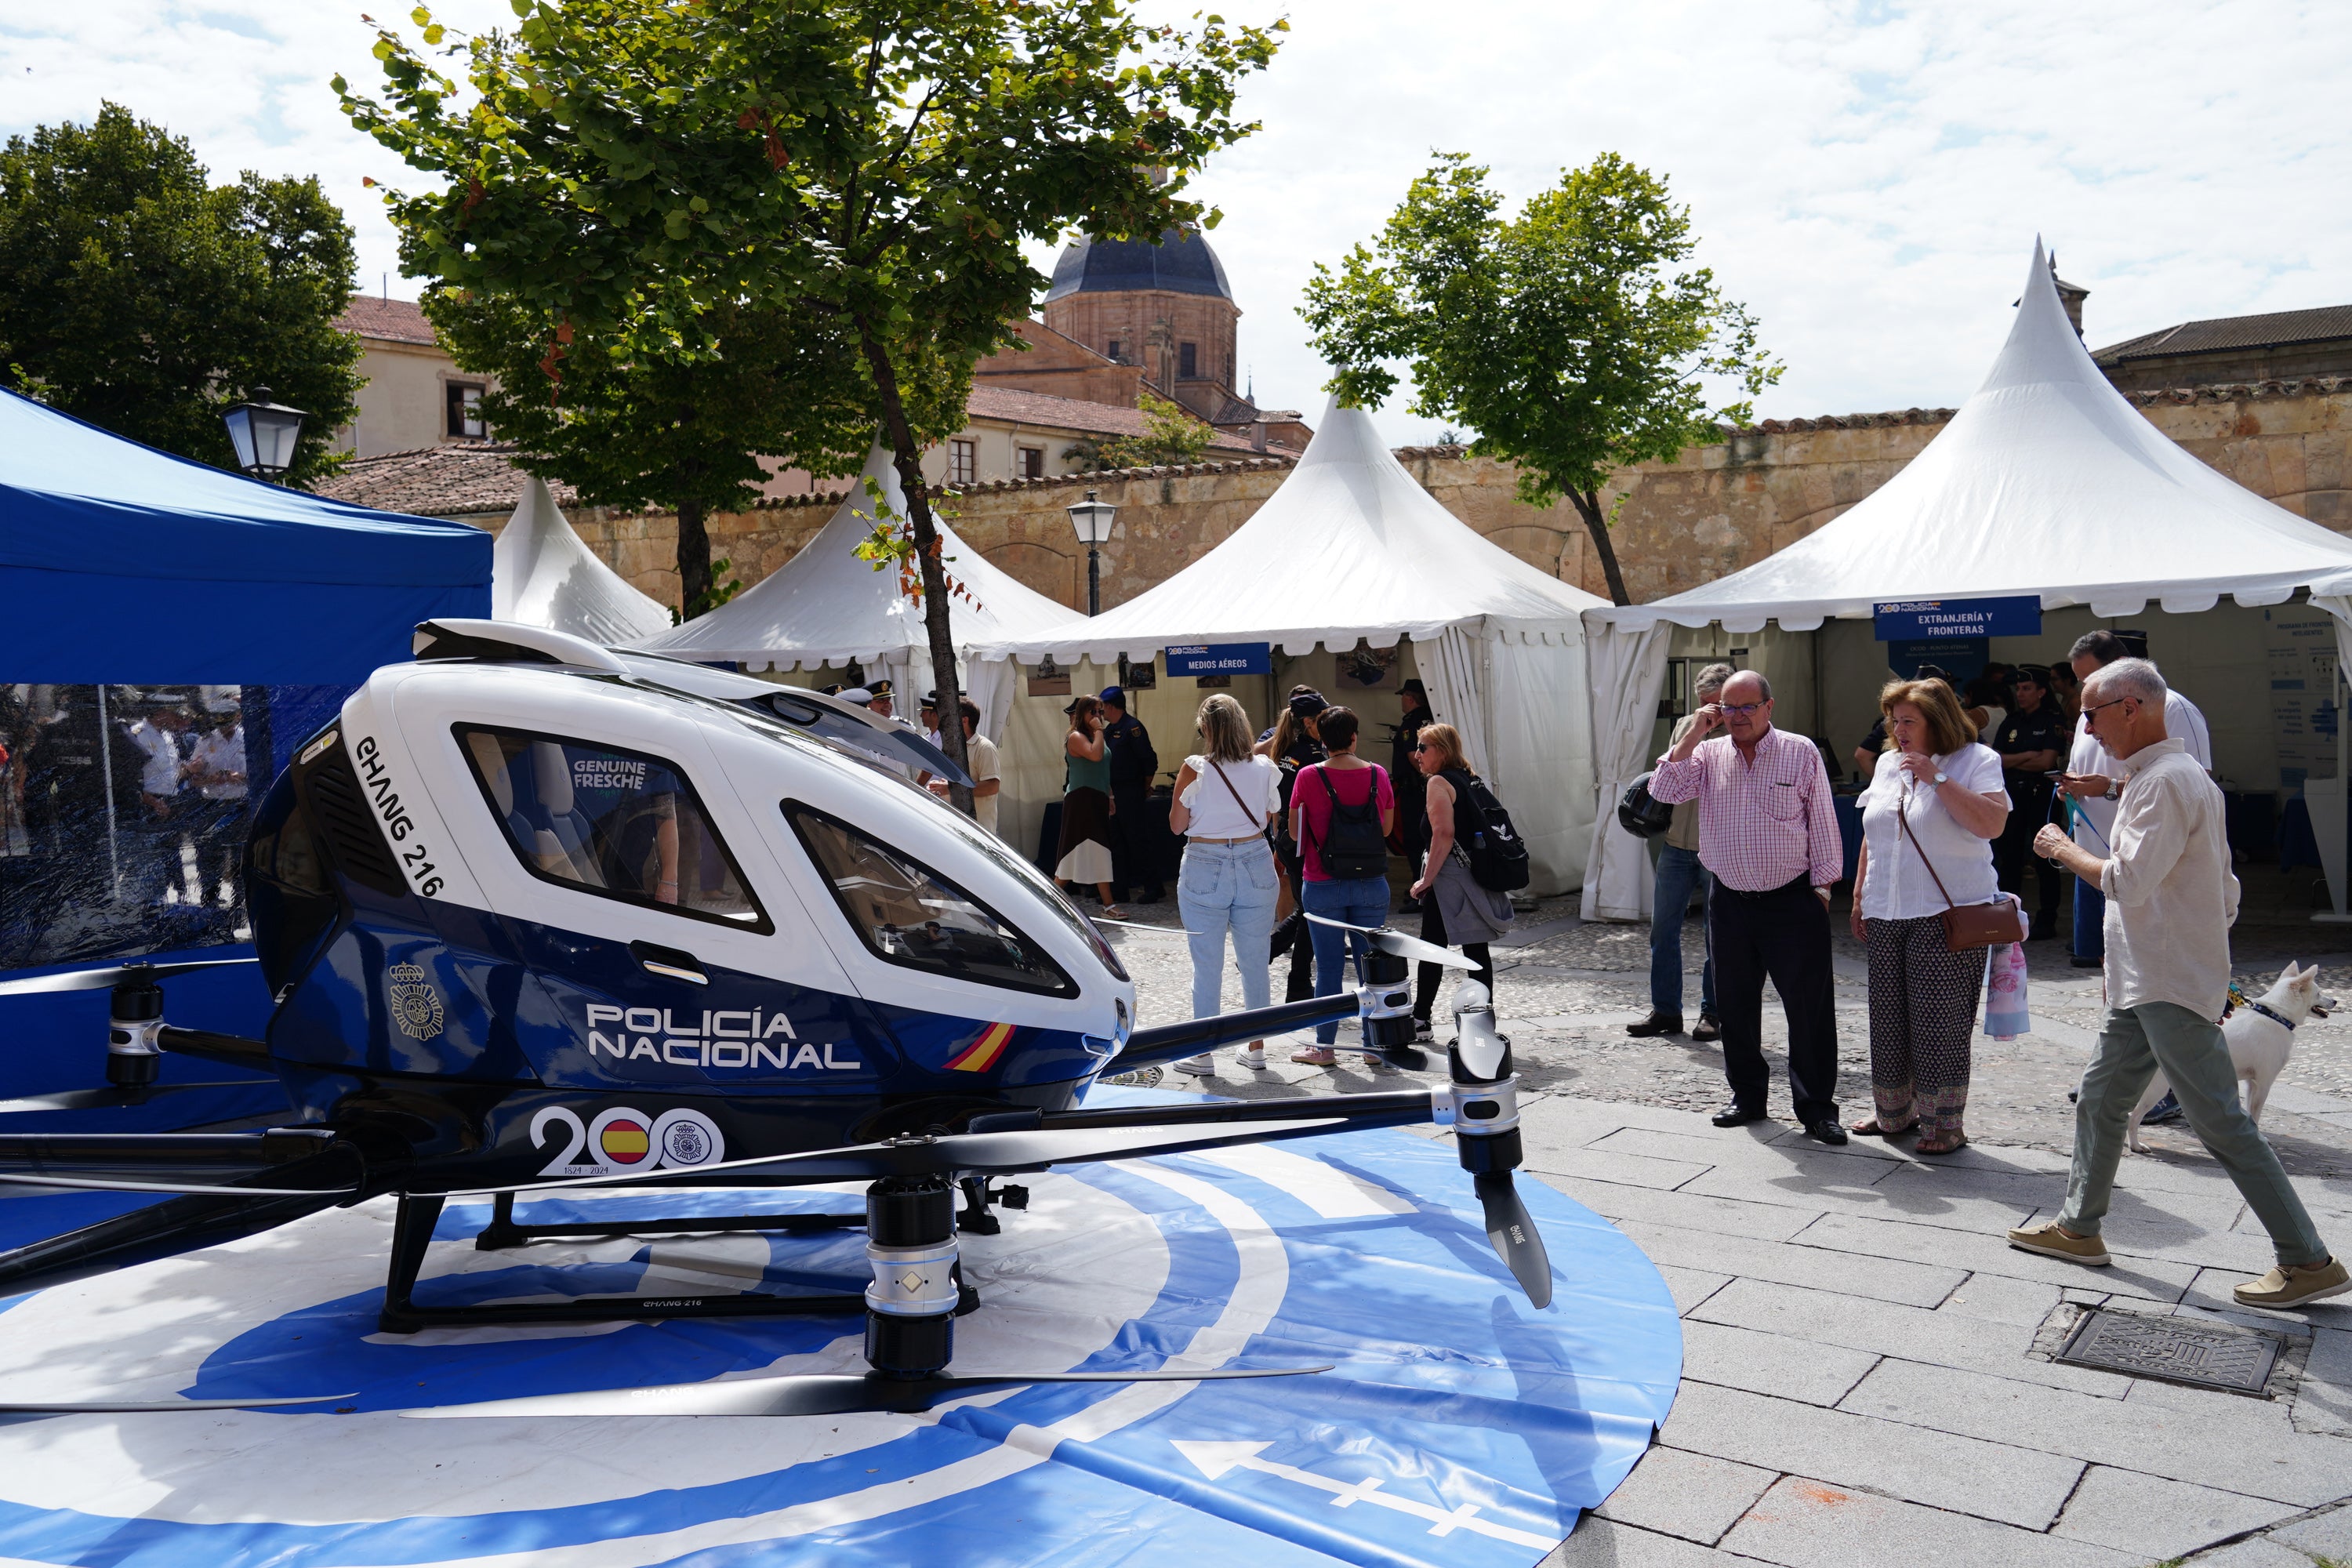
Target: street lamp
[(1092, 518), (264, 434)]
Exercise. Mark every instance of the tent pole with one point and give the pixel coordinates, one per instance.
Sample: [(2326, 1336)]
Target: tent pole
[(105, 768)]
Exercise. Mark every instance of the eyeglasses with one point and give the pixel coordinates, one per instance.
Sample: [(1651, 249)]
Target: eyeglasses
[(2092, 712), (1740, 710)]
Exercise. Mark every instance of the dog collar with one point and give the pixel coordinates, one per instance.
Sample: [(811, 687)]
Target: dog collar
[(2270, 1013)]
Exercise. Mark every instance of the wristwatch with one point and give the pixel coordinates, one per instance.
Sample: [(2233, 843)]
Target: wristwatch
[(1942, 778), (2114, 791)]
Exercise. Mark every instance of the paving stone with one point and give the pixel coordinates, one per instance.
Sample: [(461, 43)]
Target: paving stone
[(2154, 1280), (1941, 1470), (2258, 1552), (1599, 1543), (1694, 1496), (1844, 1273), (2324, 1403), (1725, 1216), (2000, 1300), (1735, 1148), (1605, 1164), (1808, 1524), (1771, 1363), (2229, 1441), (2326, 1534), (1930, 1339), (2160, 1518), (1874, 1189), (1690, 1286)]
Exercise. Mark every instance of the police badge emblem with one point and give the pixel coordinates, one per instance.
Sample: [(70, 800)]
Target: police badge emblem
[(415, 1006)]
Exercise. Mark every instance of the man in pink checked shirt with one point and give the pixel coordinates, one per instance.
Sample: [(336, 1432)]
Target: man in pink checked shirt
[(1767, 832)]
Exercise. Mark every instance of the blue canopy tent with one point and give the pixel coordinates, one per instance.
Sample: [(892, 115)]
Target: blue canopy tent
[(132, 578)]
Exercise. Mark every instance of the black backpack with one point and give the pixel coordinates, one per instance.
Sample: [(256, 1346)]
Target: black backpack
[(1642, 814), (1356, 848), (1497, 855)]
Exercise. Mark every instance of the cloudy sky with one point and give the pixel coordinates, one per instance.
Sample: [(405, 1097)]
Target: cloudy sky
[(1868, 177)]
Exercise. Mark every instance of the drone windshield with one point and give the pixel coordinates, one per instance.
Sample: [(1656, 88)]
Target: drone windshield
[(907, 915)]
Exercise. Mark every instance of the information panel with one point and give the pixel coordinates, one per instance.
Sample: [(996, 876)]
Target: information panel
[(2018, 616), (1220, 658)]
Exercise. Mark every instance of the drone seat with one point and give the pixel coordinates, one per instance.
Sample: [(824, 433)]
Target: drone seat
[(565, 838)]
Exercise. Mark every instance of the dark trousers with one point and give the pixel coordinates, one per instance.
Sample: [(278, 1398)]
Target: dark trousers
[(2014, 849), (1428, 977), (1132, 863), (1782, 934)]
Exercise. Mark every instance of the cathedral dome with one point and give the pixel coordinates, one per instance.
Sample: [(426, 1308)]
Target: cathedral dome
[(1180, 262)]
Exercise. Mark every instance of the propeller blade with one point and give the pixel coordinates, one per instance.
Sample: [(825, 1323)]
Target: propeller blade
[(1180, 930), (107, 978), (1404, 946), (960, 1153), (1512, 1232), (108, 1184), (108, 1098), (811, 1394), (158, 1406)]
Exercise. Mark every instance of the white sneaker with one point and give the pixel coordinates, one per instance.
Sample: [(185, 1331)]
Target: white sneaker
[(1254, 1060), (1203, 1066)]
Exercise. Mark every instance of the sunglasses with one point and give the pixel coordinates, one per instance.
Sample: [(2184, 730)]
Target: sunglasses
[(2094, 707)]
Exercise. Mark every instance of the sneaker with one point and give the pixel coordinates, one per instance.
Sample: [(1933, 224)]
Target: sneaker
[(2165, 1109), (1315, 1057), (1203, 1066), (2048, 1240), (1254, 1060), (1422, 1034), (1710, 1027), (2081, 961), (2284, 1287)]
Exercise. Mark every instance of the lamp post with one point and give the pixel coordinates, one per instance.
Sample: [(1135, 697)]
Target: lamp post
[(264, 434), (1092, 518)]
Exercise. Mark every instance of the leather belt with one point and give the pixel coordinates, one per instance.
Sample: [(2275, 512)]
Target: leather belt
[(1244, 838)]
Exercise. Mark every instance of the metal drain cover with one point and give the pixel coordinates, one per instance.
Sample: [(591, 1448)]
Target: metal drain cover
[(2174, 1350)]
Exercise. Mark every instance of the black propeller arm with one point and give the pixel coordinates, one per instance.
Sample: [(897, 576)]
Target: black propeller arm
[(1169, 1041)]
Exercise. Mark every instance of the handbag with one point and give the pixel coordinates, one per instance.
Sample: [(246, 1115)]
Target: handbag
[(1965, 926)]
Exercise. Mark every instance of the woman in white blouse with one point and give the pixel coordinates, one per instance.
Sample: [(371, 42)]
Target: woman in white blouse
[(1928, 819), (1224, 798)]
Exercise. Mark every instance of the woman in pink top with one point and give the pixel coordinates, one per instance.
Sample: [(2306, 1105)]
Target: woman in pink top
[(1341, 811)]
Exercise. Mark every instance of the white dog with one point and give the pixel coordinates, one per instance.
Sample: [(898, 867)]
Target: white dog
[(2261, 1035)]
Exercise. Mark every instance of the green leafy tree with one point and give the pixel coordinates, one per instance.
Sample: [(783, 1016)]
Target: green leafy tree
[(868, 169), (1170, 435), (137, 296), (1569, 337)]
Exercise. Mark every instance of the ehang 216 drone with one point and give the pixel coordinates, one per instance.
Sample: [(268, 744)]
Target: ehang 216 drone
[(536, 914)]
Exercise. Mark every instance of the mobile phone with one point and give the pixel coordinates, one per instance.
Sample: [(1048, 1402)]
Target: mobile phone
[(2055, 773)]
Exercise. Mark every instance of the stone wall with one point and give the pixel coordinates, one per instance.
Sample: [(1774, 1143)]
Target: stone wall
[(1719, 509)]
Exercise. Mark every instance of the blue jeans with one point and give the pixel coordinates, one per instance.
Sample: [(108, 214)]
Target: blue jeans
[(1361, 901), (2090, 910), (1679, 873), (1228, 887)]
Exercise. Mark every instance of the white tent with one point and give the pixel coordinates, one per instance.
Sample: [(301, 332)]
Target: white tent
[(826, 606), (542, 575), (1351, 549), (2046, 482)]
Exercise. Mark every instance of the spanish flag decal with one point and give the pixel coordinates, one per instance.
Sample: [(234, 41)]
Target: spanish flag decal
[(982, 1054)]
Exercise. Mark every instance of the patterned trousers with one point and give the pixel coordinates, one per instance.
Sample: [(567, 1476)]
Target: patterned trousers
[(1923, 1016)]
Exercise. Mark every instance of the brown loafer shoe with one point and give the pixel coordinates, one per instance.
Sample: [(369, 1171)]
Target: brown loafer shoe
[(2282, 1286), (1710, 1027), (2048, 1240)]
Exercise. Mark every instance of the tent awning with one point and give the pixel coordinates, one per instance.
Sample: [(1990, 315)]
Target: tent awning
[(546, 576), (2046, 482)]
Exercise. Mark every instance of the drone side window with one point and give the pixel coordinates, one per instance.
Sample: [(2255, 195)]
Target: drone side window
[(908, 915), (620, 824)]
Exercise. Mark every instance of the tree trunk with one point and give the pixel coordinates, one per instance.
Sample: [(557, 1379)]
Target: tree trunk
[(693, 561), (1596, 524), (907, 458)]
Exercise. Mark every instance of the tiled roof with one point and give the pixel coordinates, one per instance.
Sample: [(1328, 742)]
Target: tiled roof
[(1013, 404), (466, 478), (2272, 330), (398, 319), (1273, 457)]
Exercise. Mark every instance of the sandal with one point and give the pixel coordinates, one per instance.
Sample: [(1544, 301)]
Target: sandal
[(1871, 1129), (1939, 1146), (1113, 912), (1315, 1057)]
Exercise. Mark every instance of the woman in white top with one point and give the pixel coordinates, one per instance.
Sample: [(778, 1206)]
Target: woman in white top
[(1225, 798), (1928, 819)]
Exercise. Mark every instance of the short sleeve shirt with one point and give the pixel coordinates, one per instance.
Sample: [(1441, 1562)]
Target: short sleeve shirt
[(2044, 729), (1352, 785), (979, 760)]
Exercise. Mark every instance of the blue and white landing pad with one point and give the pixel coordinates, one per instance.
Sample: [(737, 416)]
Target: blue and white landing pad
[(1460, 1427)]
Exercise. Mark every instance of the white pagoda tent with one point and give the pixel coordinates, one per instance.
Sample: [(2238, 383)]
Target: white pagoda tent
[(2047, 482), (1350, 550), (542, 575), (826, 606)]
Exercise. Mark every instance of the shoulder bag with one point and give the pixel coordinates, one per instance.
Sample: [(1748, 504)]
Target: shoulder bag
[(1965, 926), (1247, 814)]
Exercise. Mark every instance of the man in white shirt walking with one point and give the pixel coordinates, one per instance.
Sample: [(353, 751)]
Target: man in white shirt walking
[(2170, 901)]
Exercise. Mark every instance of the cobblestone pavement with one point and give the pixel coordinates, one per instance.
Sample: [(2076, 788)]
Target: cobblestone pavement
[(1566, 991)]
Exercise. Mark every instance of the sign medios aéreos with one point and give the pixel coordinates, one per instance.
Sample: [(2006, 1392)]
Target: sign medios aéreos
[(1220, 658)]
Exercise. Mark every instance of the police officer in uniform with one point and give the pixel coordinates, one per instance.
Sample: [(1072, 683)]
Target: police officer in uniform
[(2032, 741), (1133, 765)]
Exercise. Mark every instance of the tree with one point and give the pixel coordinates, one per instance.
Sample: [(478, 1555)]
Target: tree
[(870, 169), (137, 296), (1170, 435), (1563, 337)]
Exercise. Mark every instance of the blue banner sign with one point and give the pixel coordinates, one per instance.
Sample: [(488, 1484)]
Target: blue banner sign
[(2018, 616), (1220, 658)]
